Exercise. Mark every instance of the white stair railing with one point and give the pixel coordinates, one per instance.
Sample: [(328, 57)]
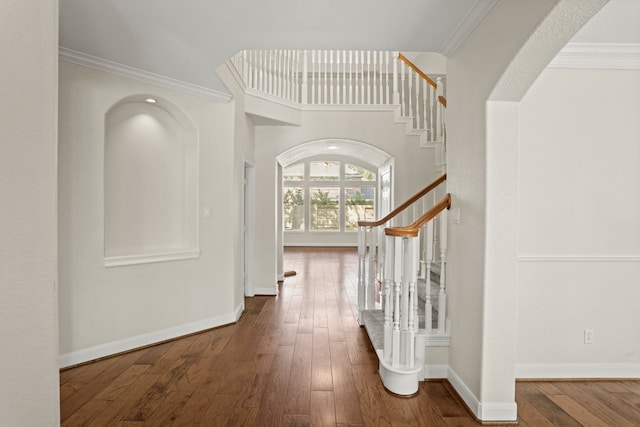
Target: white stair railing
[(348, 77), (372, 290), (400, 362)]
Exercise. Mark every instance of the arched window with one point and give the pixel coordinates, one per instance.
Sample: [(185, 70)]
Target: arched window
[(150, 183), (327, 195)]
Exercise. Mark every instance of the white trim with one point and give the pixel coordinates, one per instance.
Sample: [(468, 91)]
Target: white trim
[(101, 64), (131, 343), (239, 310), (266, 291), (579, 258), (483, 411), (435, 371), (498, 412), (466, 25), (320, 245), (436, 340), (119, 261), (577, 370), (608, 56), (463, 391)]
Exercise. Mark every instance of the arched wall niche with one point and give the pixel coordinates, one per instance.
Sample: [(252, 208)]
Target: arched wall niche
[(150, 182)]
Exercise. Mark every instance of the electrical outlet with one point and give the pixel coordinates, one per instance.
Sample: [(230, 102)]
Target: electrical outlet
[(588, 336)]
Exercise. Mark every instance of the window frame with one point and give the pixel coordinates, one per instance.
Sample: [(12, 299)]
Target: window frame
[(341, 184)]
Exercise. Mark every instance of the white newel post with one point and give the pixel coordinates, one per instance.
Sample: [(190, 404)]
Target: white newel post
[(442, 297)]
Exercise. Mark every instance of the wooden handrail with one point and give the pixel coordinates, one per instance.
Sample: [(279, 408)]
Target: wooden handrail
[(413, 229), (443, 101), (433, 184), (417, 70)]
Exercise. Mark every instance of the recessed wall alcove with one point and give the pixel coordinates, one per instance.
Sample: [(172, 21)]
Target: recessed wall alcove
[(150, 182)]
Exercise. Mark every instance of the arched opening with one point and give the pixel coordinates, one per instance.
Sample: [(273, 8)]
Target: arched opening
[(326, 186)]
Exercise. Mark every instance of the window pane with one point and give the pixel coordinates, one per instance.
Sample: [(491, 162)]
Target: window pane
[(359, 206), (293, 172), (293, 207), (356, 173), (325, 207), (324, 171)]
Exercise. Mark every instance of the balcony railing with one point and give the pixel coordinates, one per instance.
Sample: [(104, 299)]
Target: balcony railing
[(347, 77)]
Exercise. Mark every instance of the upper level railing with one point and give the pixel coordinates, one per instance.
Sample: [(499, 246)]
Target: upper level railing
[(347, 77)]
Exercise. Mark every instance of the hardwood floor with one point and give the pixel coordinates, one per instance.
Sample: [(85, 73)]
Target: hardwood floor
[(300, 359)]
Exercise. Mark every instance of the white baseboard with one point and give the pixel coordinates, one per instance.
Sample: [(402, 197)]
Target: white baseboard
[(578, 370), (125, 344), (239, 310), (267, 290), (483, 411), (433, 372)]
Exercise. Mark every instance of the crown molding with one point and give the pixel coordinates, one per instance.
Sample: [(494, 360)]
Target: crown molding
[(607, 56), (464, 28), (105, 65)]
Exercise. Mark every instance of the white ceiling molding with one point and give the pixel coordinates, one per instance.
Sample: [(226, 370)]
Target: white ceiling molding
[(464, 27), (606, 56), (80, 58)]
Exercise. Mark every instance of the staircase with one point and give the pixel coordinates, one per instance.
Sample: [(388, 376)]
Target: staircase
[(402, 257)]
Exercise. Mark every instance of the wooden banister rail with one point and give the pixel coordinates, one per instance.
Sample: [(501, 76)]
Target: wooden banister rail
[(443, 101), (433, 184), (413, 229), (417, 70)]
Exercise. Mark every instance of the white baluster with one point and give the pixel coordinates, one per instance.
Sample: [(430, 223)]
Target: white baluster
[(428, 257), (411, 273), (439, 109), (371, 283), (350, 77), (403, 90), (442, 297), (410, 92), (331, 52), (325, 65), (361, 271), (304, 86), (362, 92), (417, 100), (369, 77), (396, 93), (397, 284), (344, 77), (373, 83), (389, 263)]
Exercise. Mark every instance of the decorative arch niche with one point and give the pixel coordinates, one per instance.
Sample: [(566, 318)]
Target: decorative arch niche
[(150, 183)]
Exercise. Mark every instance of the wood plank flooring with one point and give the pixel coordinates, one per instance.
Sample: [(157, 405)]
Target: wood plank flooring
[(300, 359)]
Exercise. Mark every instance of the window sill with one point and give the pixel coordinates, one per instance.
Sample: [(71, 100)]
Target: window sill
[(118, 261)]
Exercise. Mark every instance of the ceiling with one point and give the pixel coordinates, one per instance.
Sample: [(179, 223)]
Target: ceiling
[(187, 40)]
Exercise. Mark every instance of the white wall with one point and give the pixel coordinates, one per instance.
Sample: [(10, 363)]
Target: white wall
[(29, 387), (579, 238), (414, 166), (497, 63), (103, 310)]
